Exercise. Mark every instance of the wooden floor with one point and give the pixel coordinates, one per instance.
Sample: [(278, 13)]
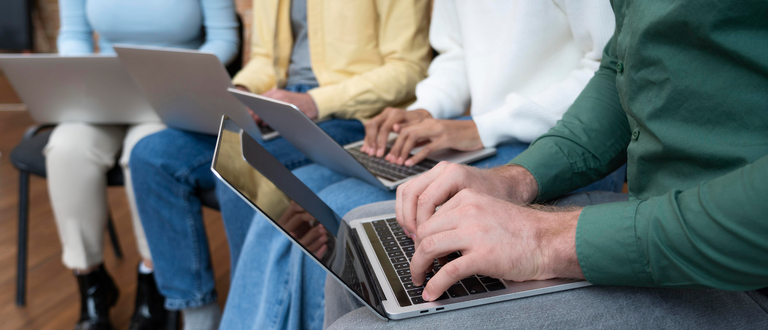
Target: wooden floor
[(52, 298)]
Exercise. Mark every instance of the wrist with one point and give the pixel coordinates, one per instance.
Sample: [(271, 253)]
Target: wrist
[(559, 246), (517, 184), (422, 113), (313, 112)]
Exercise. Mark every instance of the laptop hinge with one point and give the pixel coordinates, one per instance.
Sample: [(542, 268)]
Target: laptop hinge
[(370, 275)]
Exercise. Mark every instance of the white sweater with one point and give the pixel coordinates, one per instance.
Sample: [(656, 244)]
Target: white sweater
[(521, 62)]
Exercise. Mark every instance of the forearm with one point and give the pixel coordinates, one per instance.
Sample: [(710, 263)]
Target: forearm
[(75, 35), (221, 30)]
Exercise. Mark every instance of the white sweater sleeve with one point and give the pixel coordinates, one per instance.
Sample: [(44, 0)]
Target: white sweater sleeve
[(445, 92), (524, 118)]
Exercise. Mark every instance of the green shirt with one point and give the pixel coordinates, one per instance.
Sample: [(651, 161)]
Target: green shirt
[(682, 97)]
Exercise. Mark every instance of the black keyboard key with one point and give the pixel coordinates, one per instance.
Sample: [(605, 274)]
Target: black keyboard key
[(387, 237), (391, 248), (415, 292), (405, 279), (411, 286), (395, 254), (495, 286), (382, 229), (442, 297), (403, 238), (380, 223), (398, 233), (473, 285), (404, 265), (417, 300), (407, 249), (398, 260), (408, 242), (488, 280), (389, 243), (409, 255), (403, 272), (457, 290)]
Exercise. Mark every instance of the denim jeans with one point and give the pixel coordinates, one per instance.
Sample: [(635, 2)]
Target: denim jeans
[(277, 286), (168, 170)]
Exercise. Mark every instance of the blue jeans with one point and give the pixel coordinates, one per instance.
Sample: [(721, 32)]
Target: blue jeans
[(168, 170), (277, 286)]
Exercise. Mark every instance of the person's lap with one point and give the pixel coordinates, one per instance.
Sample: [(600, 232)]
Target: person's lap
[(590, 307)]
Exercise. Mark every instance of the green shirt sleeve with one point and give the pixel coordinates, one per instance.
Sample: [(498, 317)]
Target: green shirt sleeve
[(588, 143), (714, 235)]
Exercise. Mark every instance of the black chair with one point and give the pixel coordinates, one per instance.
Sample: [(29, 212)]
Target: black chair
[(28, 158)]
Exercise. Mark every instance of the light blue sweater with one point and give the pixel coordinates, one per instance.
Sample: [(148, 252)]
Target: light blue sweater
[(205, 25)]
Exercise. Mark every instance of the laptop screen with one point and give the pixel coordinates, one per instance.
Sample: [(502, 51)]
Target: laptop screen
[(264, 183)]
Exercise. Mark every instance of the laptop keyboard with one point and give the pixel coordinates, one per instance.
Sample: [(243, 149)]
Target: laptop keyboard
[(400, 249), (390, 171)]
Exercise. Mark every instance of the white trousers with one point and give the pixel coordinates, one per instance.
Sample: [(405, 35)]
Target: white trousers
[(77, 158)]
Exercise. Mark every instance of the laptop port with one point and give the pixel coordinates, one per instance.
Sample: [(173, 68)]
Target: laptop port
[(424, 311), (440, 308)]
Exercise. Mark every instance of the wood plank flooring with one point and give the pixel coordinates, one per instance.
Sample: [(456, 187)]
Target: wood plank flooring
[(52, 298)]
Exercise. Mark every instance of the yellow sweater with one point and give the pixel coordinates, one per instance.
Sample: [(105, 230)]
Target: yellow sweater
[(365, 54)]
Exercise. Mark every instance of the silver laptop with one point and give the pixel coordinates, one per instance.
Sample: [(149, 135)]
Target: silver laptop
[(91, 89), (187, 88), (311, 140), (370, 257)]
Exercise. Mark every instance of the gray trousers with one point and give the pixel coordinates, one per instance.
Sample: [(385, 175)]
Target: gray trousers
[(594, 307)]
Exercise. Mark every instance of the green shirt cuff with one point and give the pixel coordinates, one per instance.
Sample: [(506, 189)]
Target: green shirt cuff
[(607, 245), (549, 167)]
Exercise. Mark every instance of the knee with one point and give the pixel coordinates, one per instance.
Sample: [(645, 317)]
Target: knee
[(154, 148), (69, 153)]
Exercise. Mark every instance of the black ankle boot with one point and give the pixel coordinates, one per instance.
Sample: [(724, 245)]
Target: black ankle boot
[(150, 312), (97, 294)]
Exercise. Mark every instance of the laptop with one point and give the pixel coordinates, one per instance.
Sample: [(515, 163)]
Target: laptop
[(187, 88), (92, 89), (311, 140), (369, 257)]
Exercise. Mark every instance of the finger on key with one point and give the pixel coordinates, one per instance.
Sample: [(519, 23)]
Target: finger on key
[(432, 247), (449, 274)]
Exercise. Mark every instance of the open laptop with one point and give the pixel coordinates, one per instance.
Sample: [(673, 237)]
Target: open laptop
[(187, 88), (311, 140), (92, 89), (370, 257)]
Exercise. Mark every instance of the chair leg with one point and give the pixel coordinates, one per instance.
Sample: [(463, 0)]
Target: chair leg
[(21, 266), (113, 238)]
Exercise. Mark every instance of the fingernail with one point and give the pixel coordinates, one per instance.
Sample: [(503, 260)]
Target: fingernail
[(413, 236), (409, 163), (425, 295), (406, 232)]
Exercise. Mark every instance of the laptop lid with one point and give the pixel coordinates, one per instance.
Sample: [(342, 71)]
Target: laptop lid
[(305, 135), (296, 211), (90, 88), (187, 88)]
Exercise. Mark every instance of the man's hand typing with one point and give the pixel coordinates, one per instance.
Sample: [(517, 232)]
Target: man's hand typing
[(496, 238)]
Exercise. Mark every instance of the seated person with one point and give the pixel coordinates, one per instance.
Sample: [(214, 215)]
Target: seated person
[(697, 152), (79, 155), (518, 89), (464, 42), (336, 60)]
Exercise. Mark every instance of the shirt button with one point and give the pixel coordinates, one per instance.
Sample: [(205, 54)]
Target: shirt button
[(635, 134), (620, 67)]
